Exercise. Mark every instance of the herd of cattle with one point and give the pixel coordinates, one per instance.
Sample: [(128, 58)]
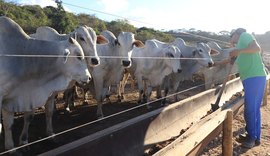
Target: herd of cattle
[(36, 67)]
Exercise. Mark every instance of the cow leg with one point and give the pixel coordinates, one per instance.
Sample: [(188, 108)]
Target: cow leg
[(99, 109), (100, 94), (148, 94), (28, 117), (145, 92), (123, 83), (159, 92), (0, 114), (69, 98), (49, 109), (140, 87), (84, 90), (8, 120), (120, 89), (163, 102)]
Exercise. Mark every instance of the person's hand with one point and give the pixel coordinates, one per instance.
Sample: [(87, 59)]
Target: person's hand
[(234, 53)]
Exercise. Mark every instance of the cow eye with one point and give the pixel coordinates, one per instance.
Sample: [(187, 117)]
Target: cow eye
[(82, 39), (79, 57), (170, 55)]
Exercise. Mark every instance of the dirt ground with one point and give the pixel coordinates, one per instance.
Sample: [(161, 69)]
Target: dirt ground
[(215, 149)]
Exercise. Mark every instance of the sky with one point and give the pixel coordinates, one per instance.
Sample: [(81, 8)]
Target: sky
[(205, 15)]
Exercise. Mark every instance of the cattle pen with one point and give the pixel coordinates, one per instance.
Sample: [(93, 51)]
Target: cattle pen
[(181, 128), (137, 136)]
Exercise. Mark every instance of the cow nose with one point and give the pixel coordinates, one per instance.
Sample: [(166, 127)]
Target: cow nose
[(126, 63), (89, 79), (94, 61), (179, 70), (210, 64)]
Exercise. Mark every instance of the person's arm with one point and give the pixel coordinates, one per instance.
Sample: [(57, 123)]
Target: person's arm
[(223, 62), (253, 47)]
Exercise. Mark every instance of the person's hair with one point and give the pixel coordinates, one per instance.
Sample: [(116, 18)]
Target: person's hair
[(238, 31)]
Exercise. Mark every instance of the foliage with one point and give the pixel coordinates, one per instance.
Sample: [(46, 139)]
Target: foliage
[(60, 20), (30, 17), (120, 25), (144, 34), (91, 21)]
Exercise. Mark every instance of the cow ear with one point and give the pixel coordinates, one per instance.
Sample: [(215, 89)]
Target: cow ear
[(74, 35), (116, 42), (71, 40), (101, 39), (214, 52), (66, 55), (138, 43)]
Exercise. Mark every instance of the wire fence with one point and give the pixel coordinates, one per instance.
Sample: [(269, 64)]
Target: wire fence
[(102, 119), (108, 57)]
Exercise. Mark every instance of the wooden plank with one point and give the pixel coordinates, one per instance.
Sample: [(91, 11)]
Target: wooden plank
[(265, 97), (194, 136), (206, 141), (198, 136), (227, 142)]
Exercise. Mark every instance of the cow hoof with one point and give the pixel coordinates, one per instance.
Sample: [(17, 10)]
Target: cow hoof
[(163, 102), (26, 148), (100, 116), (19, 152), (139, 101)]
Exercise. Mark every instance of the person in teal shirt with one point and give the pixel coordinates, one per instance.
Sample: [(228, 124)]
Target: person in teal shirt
[(253, 75)]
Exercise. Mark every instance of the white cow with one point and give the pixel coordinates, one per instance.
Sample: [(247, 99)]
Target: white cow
[(216, 74), (27, 82), (152, 71), (110, 70), (194, 58), (85, 36)]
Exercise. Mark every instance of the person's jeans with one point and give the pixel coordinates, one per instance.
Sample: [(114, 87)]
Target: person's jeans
[(254, 90)]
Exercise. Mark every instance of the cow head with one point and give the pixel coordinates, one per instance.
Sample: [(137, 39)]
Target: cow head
[(125, 42), (202, 52), (173, 55), (75, 66), (87, 38)]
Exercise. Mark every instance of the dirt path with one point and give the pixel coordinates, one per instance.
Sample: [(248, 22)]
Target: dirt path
[(214, 148)]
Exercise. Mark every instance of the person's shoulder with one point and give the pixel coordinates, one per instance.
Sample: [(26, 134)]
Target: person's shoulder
[(246, 35)]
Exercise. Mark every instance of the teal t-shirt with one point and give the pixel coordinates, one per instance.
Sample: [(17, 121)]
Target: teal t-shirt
[(249, 65)]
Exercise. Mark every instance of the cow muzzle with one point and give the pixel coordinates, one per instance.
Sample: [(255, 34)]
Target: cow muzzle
[(94, 61), (210, 64), (126, 63)]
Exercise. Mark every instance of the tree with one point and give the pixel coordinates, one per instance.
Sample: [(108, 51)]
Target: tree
[(120, 25), (60, 20), (91, 21)]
